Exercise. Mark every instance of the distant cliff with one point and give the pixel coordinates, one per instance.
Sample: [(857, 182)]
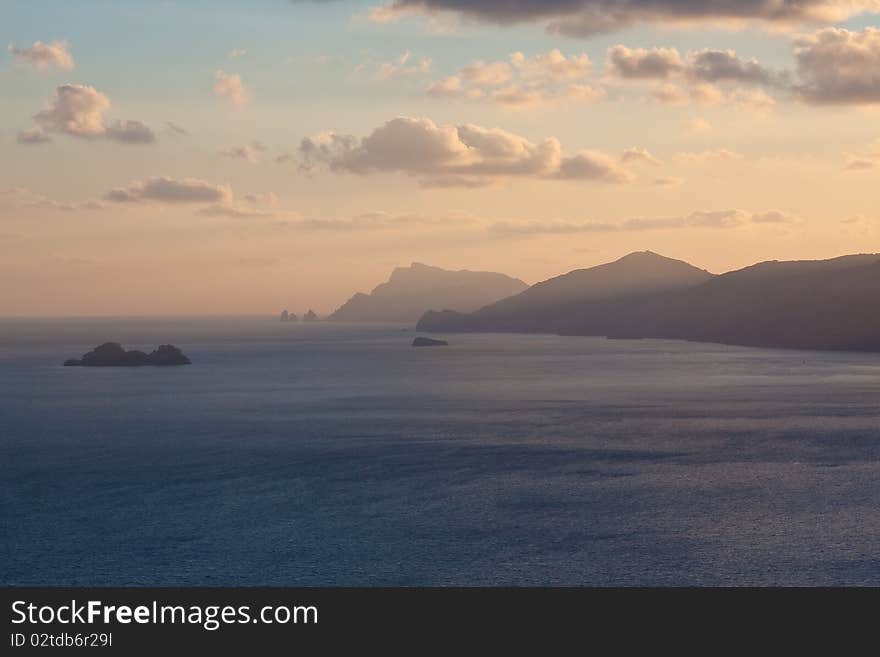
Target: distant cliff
[(829, 304), (410, 291)]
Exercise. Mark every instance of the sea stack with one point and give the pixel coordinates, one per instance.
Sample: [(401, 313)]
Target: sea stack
[(310, 316)]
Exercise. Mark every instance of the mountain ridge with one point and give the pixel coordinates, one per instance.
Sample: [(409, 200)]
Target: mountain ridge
[(810, 304)]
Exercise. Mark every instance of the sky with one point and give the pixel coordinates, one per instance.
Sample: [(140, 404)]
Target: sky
[(228, 157)]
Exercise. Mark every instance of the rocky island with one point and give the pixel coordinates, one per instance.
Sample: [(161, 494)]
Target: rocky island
[(112, 354), (429, 342), (310, 316)]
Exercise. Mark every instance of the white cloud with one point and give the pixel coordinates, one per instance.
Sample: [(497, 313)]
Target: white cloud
[(447, 87), (489, 74), (78, 111), (421, 148), (523, 81), (836, 66), (639, 156), (552, 65), (230, 87), (45, 56), (75, 110)]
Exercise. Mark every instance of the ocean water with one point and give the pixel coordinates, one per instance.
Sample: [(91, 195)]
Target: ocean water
[(293, 454)]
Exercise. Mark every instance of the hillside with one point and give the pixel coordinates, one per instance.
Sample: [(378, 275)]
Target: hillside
[(830, 304)]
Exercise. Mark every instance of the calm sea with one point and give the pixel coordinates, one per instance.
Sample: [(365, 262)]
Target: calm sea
[(293, 454)]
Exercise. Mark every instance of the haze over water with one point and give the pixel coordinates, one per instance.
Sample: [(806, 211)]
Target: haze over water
[(322, 454)]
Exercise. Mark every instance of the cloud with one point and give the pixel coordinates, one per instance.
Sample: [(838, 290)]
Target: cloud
[(251, 205), (448, 87), (403, 67), (701, 219), (593, 165), (773, 217), (170, 190), (248, 152), (580, 18), (643, 64), (235, 53), (522, 81), (836, 66), (230, 87), (701, 157), (419, 147), (235, 211), (19, 198), (707, 77), (32, 136), (639, 156), (75, 110), (45, 56), (552, 64), (669, 94), (483, 74), (755, 100), (585, 92), (724, 65), (706, 94), (78, 111), (129, 132), (268, 198)]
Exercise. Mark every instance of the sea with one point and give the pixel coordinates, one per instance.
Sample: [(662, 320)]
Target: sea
[(293, 454)]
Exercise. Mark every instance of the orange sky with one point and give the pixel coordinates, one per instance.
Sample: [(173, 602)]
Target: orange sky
[(270, 157)]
